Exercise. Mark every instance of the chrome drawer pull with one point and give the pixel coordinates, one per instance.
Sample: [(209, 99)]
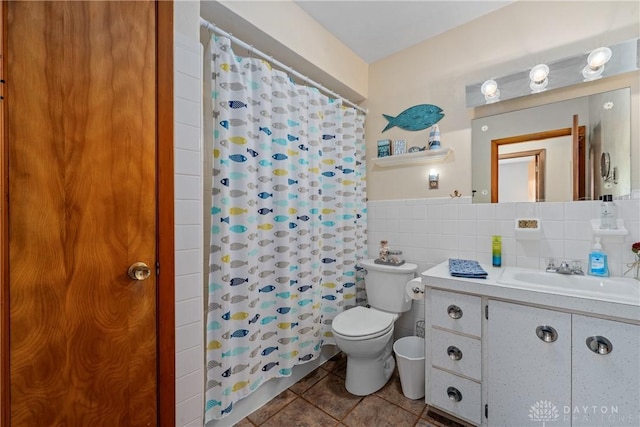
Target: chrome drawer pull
[(454, 353), (546, 333), (454, 311), (454, 394), (599, 345)]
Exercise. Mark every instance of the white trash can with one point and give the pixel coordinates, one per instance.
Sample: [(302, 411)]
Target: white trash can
[(410, 357)]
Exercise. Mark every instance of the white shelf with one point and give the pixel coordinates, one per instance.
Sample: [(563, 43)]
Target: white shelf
[(620, 232), (425, 156)]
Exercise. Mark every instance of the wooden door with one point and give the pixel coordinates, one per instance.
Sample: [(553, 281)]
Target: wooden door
[(81, 136)]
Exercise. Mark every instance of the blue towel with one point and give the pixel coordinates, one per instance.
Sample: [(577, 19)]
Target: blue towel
[(466, 268)]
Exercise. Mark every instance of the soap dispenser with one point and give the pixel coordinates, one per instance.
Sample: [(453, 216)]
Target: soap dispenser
[(598, 265)]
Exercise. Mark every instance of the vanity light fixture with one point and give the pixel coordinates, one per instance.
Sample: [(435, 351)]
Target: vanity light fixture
[(595, 63), (433, 179), (538, 76), (490, 91)]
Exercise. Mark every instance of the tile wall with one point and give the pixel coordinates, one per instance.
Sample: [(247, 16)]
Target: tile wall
[(429, 231), (188, 232)]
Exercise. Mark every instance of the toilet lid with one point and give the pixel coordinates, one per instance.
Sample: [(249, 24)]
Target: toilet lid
[(361, 321)]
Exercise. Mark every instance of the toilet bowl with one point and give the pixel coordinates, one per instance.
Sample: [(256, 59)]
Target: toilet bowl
[(365, 335)]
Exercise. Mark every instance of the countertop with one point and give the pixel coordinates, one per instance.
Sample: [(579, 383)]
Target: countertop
[(438, 277)]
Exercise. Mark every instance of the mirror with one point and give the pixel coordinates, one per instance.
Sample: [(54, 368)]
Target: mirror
[(577, 136)]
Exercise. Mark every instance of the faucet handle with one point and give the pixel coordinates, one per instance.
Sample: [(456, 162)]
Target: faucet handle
[(551, 266), (577, 268), (564, 265)]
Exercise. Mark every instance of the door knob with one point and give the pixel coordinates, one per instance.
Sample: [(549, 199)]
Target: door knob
[(139, 271)]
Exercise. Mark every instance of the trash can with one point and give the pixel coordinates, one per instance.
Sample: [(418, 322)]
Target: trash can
[(410, 357)]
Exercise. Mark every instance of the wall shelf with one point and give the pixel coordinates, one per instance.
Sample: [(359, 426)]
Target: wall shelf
[(615, 235), (425, 156)]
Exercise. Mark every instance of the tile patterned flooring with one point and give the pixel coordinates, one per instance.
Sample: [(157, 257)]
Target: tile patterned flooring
[(320, 400)]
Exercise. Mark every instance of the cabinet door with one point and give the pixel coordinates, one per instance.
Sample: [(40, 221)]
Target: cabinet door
[(529, 379), (605, 382)]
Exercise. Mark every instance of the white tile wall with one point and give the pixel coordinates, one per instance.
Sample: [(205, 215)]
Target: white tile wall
[(429, 231), (188, 232)]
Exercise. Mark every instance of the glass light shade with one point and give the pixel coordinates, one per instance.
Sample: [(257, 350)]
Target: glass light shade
[(539, 73), (490, 91), (598, 57)]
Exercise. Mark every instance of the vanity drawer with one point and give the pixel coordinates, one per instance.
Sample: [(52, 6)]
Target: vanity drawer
[(456, 395), (456, 353), (456, 312)]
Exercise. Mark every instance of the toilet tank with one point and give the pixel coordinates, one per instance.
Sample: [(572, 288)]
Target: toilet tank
[(386, 285)]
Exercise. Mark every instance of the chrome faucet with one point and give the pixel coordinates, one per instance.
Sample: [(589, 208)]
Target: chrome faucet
[(564, 267)]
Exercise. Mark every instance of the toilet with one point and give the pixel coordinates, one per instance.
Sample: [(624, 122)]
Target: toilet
[(365, 335)]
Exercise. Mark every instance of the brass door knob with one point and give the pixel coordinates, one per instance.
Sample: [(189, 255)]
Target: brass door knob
[(139, 271)]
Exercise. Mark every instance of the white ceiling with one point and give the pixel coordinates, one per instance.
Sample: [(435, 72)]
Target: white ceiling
[(377, 29)]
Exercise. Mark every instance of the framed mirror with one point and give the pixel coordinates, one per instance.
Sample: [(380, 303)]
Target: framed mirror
[(576, 135)]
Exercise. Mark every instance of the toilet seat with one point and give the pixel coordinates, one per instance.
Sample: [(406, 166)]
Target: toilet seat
[(360, 323)]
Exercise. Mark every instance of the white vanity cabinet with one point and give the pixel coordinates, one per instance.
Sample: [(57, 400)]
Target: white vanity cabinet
[(529, 365), (504, 356), (453, 374), (605, 380), (561, 368)]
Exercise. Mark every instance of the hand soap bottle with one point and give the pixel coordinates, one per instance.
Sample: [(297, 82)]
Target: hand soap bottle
[(598, 265)]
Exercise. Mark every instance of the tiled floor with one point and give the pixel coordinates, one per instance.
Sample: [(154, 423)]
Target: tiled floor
[(320, 400)]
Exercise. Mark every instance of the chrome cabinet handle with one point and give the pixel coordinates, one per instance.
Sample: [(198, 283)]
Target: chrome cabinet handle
[(546, 333), (454, 311), (454, 394), (454, 353), (599, 345)]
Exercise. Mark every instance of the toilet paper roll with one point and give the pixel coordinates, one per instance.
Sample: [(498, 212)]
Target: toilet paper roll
[(415, 289)]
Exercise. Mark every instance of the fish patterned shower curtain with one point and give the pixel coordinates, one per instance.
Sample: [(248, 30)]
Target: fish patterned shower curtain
[(288, 224)]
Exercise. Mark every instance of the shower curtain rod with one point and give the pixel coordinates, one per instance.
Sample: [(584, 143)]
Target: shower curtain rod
[(208, 25)]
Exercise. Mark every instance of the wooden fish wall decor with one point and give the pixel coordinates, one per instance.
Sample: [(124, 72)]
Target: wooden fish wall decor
[(417, 117)]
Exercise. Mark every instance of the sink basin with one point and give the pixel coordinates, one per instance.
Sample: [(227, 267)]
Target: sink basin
[(620, 290)]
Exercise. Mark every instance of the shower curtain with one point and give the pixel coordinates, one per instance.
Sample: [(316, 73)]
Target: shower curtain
[(288, 224)]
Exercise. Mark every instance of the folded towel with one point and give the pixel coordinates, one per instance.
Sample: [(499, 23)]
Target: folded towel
[(466, 268)]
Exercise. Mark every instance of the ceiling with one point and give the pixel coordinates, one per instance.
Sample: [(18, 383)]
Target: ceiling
[(377, 29)]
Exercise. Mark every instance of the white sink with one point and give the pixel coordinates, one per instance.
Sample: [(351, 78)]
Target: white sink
[(620, 290)]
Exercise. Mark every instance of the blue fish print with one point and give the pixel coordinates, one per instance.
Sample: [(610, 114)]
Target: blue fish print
[(265, 163), (303, 218), (306, 357), (265, 195), (240, 333), (227, 373), (238, 281), (292, 225), (283, 294), (283, 310), (279, 141), (238, 158), (328, 223), (327, 137), (268, 319), (235, 352), (292, 138), (303, 147), (225, 181), (254, 319), (225, 124), (280, 156), (268, 350), (292, 123), (253, 153), (213, 403), (329, 297), (212, 326), (238, 228), (328, 174), (269, 365), (215, 210), (285, 371), (280, 218), (417, 117), (292, 181), (304, 288), (237, 104), (227, 410), (225, 219), (304, 302), (265, 130), (267, 288), (264, 211), (349, 284)]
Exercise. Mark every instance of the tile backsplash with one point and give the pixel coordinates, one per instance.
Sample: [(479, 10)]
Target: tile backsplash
[(430, 231)]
